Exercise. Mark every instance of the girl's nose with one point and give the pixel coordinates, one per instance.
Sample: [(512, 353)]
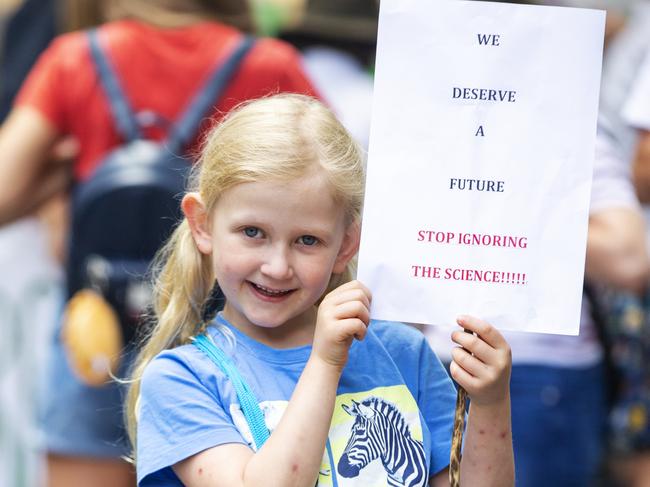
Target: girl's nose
[(277, 265)]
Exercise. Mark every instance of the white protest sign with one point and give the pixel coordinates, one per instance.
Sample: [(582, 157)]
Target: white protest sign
[(480, 163)]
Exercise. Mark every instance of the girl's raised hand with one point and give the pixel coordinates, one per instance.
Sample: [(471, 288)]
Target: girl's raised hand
[(482, 362), (344, 314)]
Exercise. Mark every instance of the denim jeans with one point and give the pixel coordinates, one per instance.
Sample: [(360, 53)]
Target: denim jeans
[(80, 420), (558, 421)]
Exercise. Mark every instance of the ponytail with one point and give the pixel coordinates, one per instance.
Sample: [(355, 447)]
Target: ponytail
[(183, 281)]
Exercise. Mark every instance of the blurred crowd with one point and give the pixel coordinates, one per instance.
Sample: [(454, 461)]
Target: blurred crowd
[(580, 405)]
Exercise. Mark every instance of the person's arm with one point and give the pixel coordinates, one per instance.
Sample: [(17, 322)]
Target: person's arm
[(293, 454), (616, 242), (616, 249), (641, 167), (29, 175), (481, 365)]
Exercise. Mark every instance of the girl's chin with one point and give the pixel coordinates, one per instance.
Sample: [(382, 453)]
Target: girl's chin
[(270, 316)]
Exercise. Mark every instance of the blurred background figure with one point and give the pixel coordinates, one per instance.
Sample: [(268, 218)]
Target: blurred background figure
[(625, 116), (162, 50), (30, 285), (26, 28)]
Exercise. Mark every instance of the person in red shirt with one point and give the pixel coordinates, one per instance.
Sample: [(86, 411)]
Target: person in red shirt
[(161, 68), (162, 50)]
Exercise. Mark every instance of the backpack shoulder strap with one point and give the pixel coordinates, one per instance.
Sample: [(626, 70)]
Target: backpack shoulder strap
[(247, 399), (186, 127), (123, 116)]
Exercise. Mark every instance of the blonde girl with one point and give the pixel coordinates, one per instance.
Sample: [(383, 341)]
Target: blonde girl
[(274, 219)]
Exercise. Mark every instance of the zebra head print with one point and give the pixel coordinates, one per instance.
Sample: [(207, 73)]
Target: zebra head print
[(380, 432)]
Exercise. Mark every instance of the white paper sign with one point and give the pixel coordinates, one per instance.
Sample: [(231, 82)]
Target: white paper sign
[(480, 163)]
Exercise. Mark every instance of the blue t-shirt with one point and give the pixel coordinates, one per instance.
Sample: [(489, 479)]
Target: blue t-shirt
[(392, 386)]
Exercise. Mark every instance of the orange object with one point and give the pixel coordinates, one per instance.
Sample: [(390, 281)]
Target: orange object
[(92, 337)]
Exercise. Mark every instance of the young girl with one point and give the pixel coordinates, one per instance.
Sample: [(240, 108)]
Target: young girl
[(275, 221)]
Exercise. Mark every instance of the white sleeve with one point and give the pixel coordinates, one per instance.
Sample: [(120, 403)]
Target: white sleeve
[(636, 110), (612, 184)]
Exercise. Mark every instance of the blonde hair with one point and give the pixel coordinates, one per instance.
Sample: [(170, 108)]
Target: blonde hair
[(282, 137)]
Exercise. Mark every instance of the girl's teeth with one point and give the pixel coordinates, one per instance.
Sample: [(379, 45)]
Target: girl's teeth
[(270, 291)]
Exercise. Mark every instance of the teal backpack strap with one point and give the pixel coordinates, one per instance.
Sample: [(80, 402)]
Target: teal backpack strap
[(247, 400)]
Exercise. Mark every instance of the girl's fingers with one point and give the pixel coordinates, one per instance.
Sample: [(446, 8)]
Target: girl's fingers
[(352, 284), (361, 286), (470, 364), (464, 378), (348, 291), (348, 296), (353, 327), (475, 345), (482, 328), (484, 375), (352, 309)]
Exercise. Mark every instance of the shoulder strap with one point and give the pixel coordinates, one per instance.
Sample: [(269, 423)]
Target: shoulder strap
[(186, 127), (123, 116), (247, 399)]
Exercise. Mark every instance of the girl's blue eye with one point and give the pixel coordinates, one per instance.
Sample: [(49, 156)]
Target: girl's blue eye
[(308, 240), (252, 232)]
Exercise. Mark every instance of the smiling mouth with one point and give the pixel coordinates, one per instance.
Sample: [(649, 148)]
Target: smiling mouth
[(270, 293)]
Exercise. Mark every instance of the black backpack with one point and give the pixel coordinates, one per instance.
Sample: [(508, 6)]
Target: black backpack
[(124, 212)]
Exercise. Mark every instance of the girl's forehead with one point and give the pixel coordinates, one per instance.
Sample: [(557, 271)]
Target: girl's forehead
[(304, 198), (312, 183)]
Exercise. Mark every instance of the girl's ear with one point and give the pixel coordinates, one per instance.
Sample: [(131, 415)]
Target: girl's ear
[(349, 247), (197, 217)]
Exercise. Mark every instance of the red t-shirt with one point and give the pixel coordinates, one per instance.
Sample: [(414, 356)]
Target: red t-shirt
[(159, 69)]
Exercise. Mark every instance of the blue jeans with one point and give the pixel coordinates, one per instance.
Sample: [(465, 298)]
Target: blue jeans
[(558, 423)]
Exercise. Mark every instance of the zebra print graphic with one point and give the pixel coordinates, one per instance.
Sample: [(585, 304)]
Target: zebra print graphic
[(380, 432)]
